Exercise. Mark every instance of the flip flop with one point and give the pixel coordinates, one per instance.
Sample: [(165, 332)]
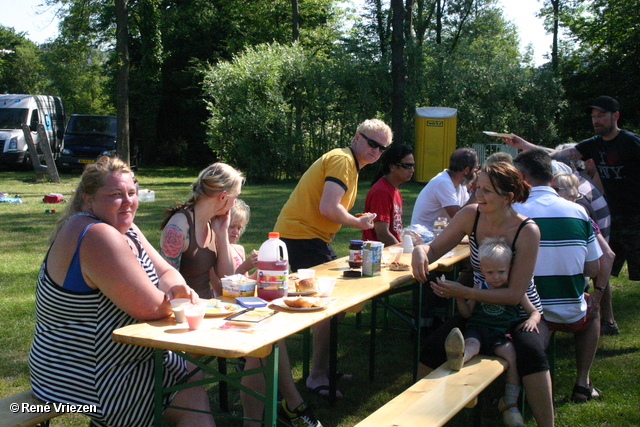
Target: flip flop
[(324, 388)]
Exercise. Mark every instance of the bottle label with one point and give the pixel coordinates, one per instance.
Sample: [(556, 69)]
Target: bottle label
[(272, 279), (355, 256)]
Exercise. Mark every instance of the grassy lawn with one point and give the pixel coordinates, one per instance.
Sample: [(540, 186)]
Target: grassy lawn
[(26, 227)]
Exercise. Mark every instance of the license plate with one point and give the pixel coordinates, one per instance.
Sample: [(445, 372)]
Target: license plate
[(86, 161)]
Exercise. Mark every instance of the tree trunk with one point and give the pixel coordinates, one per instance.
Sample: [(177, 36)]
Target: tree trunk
[(554, 48), (295, 20), (122, 80), (397, 70)]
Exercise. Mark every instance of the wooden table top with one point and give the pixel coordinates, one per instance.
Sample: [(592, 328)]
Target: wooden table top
[(209, 340)]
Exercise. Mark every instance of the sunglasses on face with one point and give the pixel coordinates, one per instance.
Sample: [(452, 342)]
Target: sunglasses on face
[(406, 165), (373, 143)]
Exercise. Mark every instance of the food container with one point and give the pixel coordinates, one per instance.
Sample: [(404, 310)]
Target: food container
[(238, 285)]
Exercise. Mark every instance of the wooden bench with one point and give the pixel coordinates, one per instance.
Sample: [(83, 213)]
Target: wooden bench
[(439, 396), (9, 417)]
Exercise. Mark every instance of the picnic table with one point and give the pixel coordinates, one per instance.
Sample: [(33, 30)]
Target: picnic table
[(211, 341)]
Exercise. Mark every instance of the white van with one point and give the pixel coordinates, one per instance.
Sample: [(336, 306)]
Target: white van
[(16, 110)]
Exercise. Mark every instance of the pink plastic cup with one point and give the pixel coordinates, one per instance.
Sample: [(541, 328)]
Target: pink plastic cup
[(194, 314)]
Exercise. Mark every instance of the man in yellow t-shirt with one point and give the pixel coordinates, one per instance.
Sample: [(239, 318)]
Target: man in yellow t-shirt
[(315, 211)]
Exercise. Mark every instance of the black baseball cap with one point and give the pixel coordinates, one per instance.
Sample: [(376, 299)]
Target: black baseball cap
[(606, 104)]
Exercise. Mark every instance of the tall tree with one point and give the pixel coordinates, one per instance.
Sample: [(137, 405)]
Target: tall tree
[(397, 70), (21, 68), (604, 61), (295, 21), (122, 81)]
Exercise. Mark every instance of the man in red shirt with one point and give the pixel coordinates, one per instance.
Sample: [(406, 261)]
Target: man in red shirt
[(384, 198)]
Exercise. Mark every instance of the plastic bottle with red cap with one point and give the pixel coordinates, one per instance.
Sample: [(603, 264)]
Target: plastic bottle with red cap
[(273, 268)]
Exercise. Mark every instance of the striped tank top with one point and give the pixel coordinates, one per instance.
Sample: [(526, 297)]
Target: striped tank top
[(478, 277), (74, 360)]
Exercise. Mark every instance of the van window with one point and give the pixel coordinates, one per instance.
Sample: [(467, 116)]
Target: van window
[(34, 120), (93, 125), (13, 118)]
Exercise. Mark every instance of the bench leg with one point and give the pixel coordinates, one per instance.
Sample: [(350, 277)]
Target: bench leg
[(223, 387), (372, 339)]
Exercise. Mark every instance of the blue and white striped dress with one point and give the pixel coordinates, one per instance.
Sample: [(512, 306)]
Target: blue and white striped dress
[(74, 360)]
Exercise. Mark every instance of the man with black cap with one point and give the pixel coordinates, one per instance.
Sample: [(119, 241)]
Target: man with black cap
[(616, 153)]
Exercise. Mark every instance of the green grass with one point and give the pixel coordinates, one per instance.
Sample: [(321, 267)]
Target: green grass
[(26, 227)]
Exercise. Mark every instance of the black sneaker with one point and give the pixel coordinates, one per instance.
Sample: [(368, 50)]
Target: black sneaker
[(302, 416), (607, 328)]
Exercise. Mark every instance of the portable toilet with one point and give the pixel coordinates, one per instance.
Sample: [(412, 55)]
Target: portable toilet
[(435, 140)]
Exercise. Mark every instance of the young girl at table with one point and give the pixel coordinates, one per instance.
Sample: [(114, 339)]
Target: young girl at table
[(488, 325), (301, 415), (238, 222)]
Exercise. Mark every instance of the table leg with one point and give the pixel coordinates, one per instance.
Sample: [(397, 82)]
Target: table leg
[(418, 302), (333, 359), (223, 386), (306, 352), (157, 385), (372, 339), (271, 388)]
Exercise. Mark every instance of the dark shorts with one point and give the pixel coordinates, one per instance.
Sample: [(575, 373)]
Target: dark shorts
[(530, 346), (488, 338), (307, 253), (625, 242)]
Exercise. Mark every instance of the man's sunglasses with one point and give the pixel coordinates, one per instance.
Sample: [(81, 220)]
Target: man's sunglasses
[(406, 165), (373, 143)]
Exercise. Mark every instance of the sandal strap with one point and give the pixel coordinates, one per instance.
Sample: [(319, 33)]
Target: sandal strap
[(510, 405), (585, 391)]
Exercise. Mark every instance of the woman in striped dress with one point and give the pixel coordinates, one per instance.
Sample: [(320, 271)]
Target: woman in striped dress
[(99, 274)]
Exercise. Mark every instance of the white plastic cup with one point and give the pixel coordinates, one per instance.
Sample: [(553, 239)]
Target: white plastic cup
[(194, 314), (387, 257), (397, 252), (178, 308), (407, 244), (325, 285), (306, 273)]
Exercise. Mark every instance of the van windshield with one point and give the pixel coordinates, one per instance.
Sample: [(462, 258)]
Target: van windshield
[(92, 125), (13, 118)]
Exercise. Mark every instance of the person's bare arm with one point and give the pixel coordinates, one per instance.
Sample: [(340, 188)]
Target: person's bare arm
[(458, 227), (174, 239), (331, 208), (531, 324), (465, 307), (591, 268), (519, 278), (606, 263), (452, 210), (383, 233), (170, 280), (224, 266), (517, 142), (109, 264)]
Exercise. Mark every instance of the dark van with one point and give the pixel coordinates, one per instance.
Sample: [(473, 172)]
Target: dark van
[(88, 137)]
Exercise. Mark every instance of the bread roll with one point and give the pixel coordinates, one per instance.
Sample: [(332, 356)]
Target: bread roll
[(307, 285), (292, 283), (298, 302)]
